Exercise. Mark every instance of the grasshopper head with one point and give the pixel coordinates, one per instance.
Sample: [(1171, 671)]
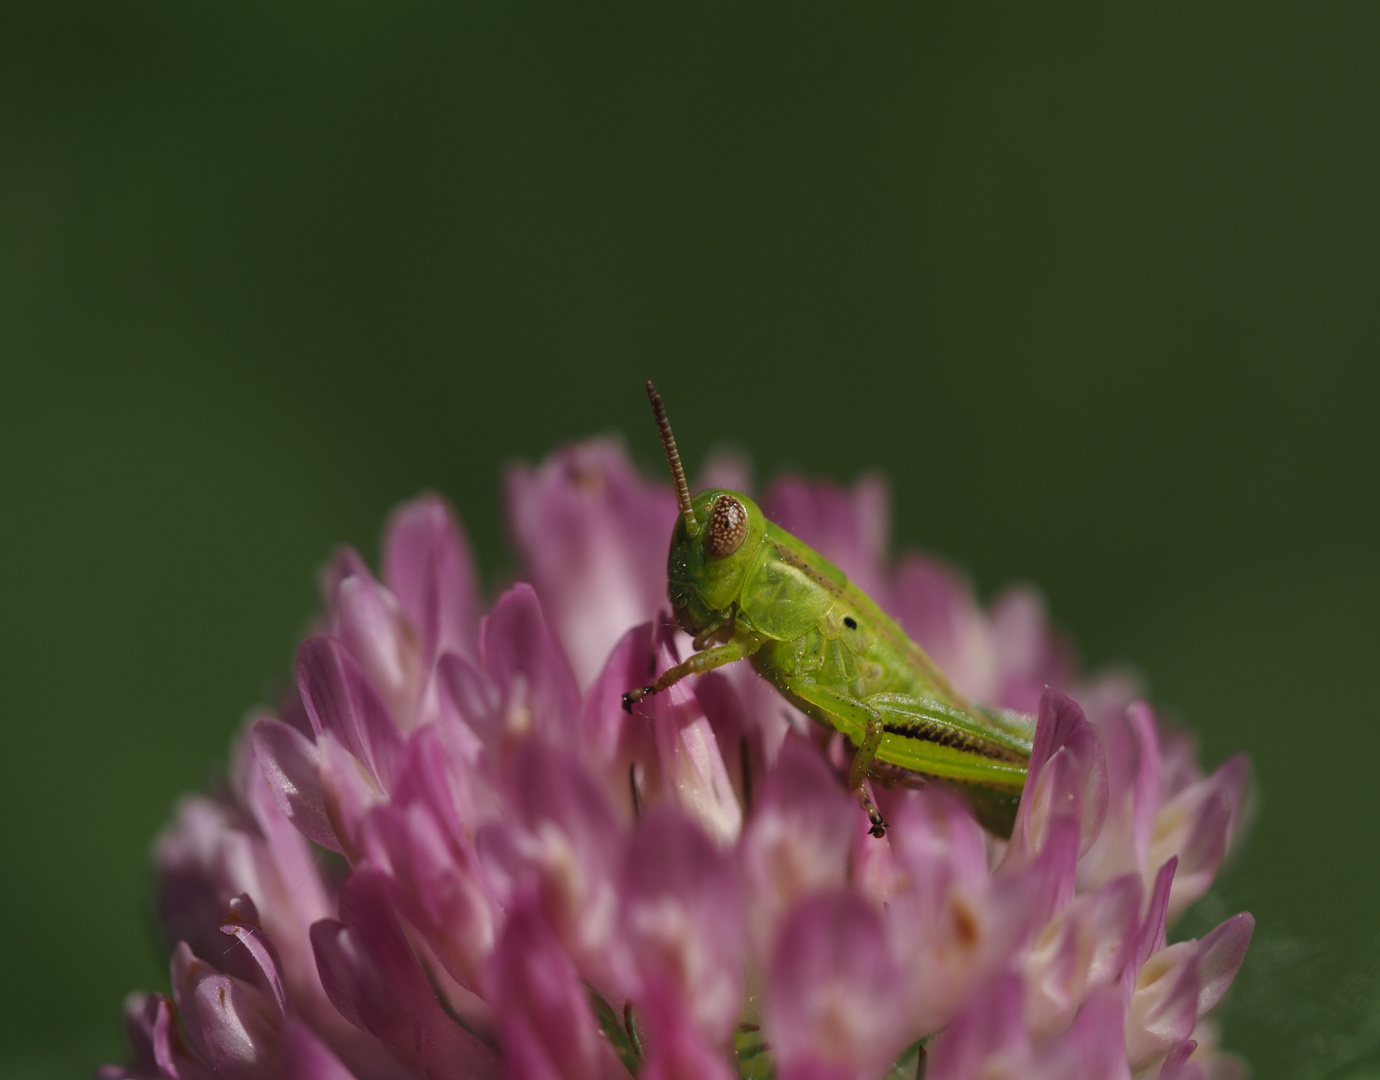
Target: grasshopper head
[(711, 552), (717, 536)]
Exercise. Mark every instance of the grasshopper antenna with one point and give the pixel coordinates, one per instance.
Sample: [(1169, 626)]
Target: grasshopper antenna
[(673, 459)]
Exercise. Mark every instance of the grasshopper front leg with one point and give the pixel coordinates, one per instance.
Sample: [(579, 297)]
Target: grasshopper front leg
[(850, 715), (708, 660)]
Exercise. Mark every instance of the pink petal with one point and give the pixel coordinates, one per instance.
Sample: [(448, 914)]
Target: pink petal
[(1086, 946), (1067, 778), (798, 839), (692, 766), (836, 997), (593, 537), (991, 1028), (675, 1050), (242, 924), (173, 1058), (1164, 1005), (306, 1057), (1028, 655), (202, 858), (936, 608), (1093, 1048), (156, 1044), (471, 696), (528, 666), (614, 740), (1220, 954), (291, 765), (1133, 782), (545, 1025), (348, 790), (1150, 938), (724, 469), (683, 917), (1195, 824), (370, 625), (427, 566), (561, 844), (1177, 1065), (341, 701), (433, 877), (232, 1026), (373, 978)]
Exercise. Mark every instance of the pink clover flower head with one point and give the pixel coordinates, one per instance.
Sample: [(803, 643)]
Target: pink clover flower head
[(529, 881)]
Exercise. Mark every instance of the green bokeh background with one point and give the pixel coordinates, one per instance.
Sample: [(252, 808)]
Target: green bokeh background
[(1096, 286)]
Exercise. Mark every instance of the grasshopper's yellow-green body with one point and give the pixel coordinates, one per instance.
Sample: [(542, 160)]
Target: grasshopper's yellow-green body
[(750, 589)]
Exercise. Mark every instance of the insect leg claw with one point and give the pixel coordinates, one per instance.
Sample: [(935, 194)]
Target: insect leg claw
[(632, 697)]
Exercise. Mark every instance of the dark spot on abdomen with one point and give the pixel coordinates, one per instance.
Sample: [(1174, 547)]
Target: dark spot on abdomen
[(850, 622)]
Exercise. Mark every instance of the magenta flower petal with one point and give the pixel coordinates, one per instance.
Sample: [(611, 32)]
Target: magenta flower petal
[(1196, 824), (954, 923), (545, 1025), (593, 537), (987, 1036), (432, 877), (231, 1025), (242, 924), (1150, 938), (1164, 1004), (374, 979), (1093, 1048), (203, 860), (341, 701), (306, 1057), (427, 566), (560, 848), (156, 1044), (692, 769), (1086, 946), (1220, 954), (1028, 655), (528, 665), (368, 621), (1067, 778), (614, 740), (675, 1050), (683, 918), (1133, 782), (349, 791), (798, 839), (936, 608), (292, 767), (836, 997), (1177, 1065)]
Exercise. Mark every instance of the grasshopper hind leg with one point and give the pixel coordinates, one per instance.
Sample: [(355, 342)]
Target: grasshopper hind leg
[(854, 716), (870, 809)]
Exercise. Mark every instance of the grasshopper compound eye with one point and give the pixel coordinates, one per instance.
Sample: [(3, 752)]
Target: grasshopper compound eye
[(728, 526)]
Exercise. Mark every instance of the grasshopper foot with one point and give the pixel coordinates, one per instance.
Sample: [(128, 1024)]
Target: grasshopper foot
[(632, 697), (870, 809)]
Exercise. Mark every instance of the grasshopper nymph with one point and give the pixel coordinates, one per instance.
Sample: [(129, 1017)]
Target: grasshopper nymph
[(744, 588)]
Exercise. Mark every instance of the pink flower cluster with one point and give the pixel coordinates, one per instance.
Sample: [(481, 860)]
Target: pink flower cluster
[(528, 882)]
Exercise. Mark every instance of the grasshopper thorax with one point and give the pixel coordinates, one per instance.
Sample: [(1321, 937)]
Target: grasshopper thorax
[(706, 569)]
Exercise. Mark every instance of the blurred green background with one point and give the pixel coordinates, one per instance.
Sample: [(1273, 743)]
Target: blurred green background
[(1095, 286)]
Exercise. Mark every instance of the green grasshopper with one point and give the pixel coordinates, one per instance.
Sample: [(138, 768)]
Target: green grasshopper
[(744, 588)]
